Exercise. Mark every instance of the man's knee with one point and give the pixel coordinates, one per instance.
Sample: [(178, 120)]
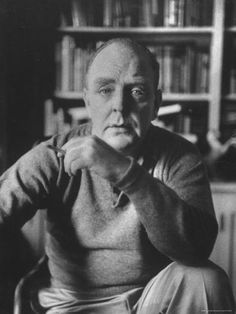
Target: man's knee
[(208, 274), (178, 286)]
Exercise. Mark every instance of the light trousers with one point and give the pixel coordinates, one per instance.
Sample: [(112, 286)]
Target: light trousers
[(177, 289)]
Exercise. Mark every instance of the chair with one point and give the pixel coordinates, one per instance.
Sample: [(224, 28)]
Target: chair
[(39, 273), (37, 276)]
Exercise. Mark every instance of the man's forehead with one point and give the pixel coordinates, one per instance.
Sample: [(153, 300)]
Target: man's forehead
[(119, 57)]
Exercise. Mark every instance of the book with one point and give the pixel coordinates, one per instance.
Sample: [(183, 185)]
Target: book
[(108, 13), (169, 109), (49, 118), (58, 65), (118, 14), (177, 77), (167, 67), (205, 13), (232, 71), (65, 13), (189, 68), (189, 13), (181, 13), (174, 13), (157, 9), (146, 13), (78, 115), (79, 69), (79, 14), (67, 62), (232, 84)]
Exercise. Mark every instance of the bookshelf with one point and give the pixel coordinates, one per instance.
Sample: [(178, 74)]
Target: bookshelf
[(187, 37), (3, 105), (228, 101)]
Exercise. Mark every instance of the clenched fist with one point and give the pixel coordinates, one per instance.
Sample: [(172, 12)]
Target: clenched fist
[(93, 153)]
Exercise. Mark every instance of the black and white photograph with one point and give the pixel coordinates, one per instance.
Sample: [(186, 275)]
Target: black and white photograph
[(117, 156)]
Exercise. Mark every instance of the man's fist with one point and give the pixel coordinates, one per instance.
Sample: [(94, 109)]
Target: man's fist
[(93, 153)]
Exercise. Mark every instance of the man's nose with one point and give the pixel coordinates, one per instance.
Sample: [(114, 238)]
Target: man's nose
[(119, 101)]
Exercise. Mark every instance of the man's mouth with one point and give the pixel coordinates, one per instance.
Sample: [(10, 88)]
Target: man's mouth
[(120, 128)]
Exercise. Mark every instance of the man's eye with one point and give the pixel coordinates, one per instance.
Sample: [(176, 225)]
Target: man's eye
[(105, 91), (138, 93)]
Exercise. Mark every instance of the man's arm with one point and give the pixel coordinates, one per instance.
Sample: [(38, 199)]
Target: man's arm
[(24, 188), (174, 206), (177, 212)]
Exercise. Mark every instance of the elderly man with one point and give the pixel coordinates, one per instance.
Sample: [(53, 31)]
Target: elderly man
[(130, 220)]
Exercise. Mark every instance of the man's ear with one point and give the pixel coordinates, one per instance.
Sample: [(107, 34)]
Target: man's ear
[(86, 101), (157, 102)]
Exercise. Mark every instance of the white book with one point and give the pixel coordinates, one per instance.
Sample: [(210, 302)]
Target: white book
[(108, 13), (79, 16)]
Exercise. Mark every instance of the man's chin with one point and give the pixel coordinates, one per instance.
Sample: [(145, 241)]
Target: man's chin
[(122, 143)]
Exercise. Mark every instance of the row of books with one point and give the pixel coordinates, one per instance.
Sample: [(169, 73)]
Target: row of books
[(232, 84), (136, 13), (183, 68), (229, 115), (179, 13), (230, 18), (60, 120), (231, 64), (71, 59)]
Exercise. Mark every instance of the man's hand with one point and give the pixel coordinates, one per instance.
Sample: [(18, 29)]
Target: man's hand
[(93, 153)]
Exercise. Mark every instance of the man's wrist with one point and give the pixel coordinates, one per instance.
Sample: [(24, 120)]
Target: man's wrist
[(118, 170)]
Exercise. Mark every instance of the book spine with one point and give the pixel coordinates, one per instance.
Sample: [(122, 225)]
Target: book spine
[(181, 10), (182, 70), (108, 13), (232, 86), (234, 14), (189, 13), (127, 13), (79, 14), (173, 13), (67, 63), (197, 73), (157, 12), (49, 118), (204, 87), (65, 14), (167, 60), (58, 66), (147, 14), (78, 70), (78, 115), (176, 76)]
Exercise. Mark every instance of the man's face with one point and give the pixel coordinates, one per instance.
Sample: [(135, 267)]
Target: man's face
[(120, 97)]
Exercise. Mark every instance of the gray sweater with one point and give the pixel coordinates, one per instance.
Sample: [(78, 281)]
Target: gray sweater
[(106, 237)]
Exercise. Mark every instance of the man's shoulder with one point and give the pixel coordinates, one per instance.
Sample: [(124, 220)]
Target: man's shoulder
[(164, 142), (168, 147)]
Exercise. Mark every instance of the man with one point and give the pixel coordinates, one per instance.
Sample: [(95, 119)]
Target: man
[(124, 199)]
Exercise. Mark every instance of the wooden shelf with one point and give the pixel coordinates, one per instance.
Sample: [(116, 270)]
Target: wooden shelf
[(223, 187), (231, 29), (186, 97), (231, 97), (137, 30), (68, 95), (186, 33)]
